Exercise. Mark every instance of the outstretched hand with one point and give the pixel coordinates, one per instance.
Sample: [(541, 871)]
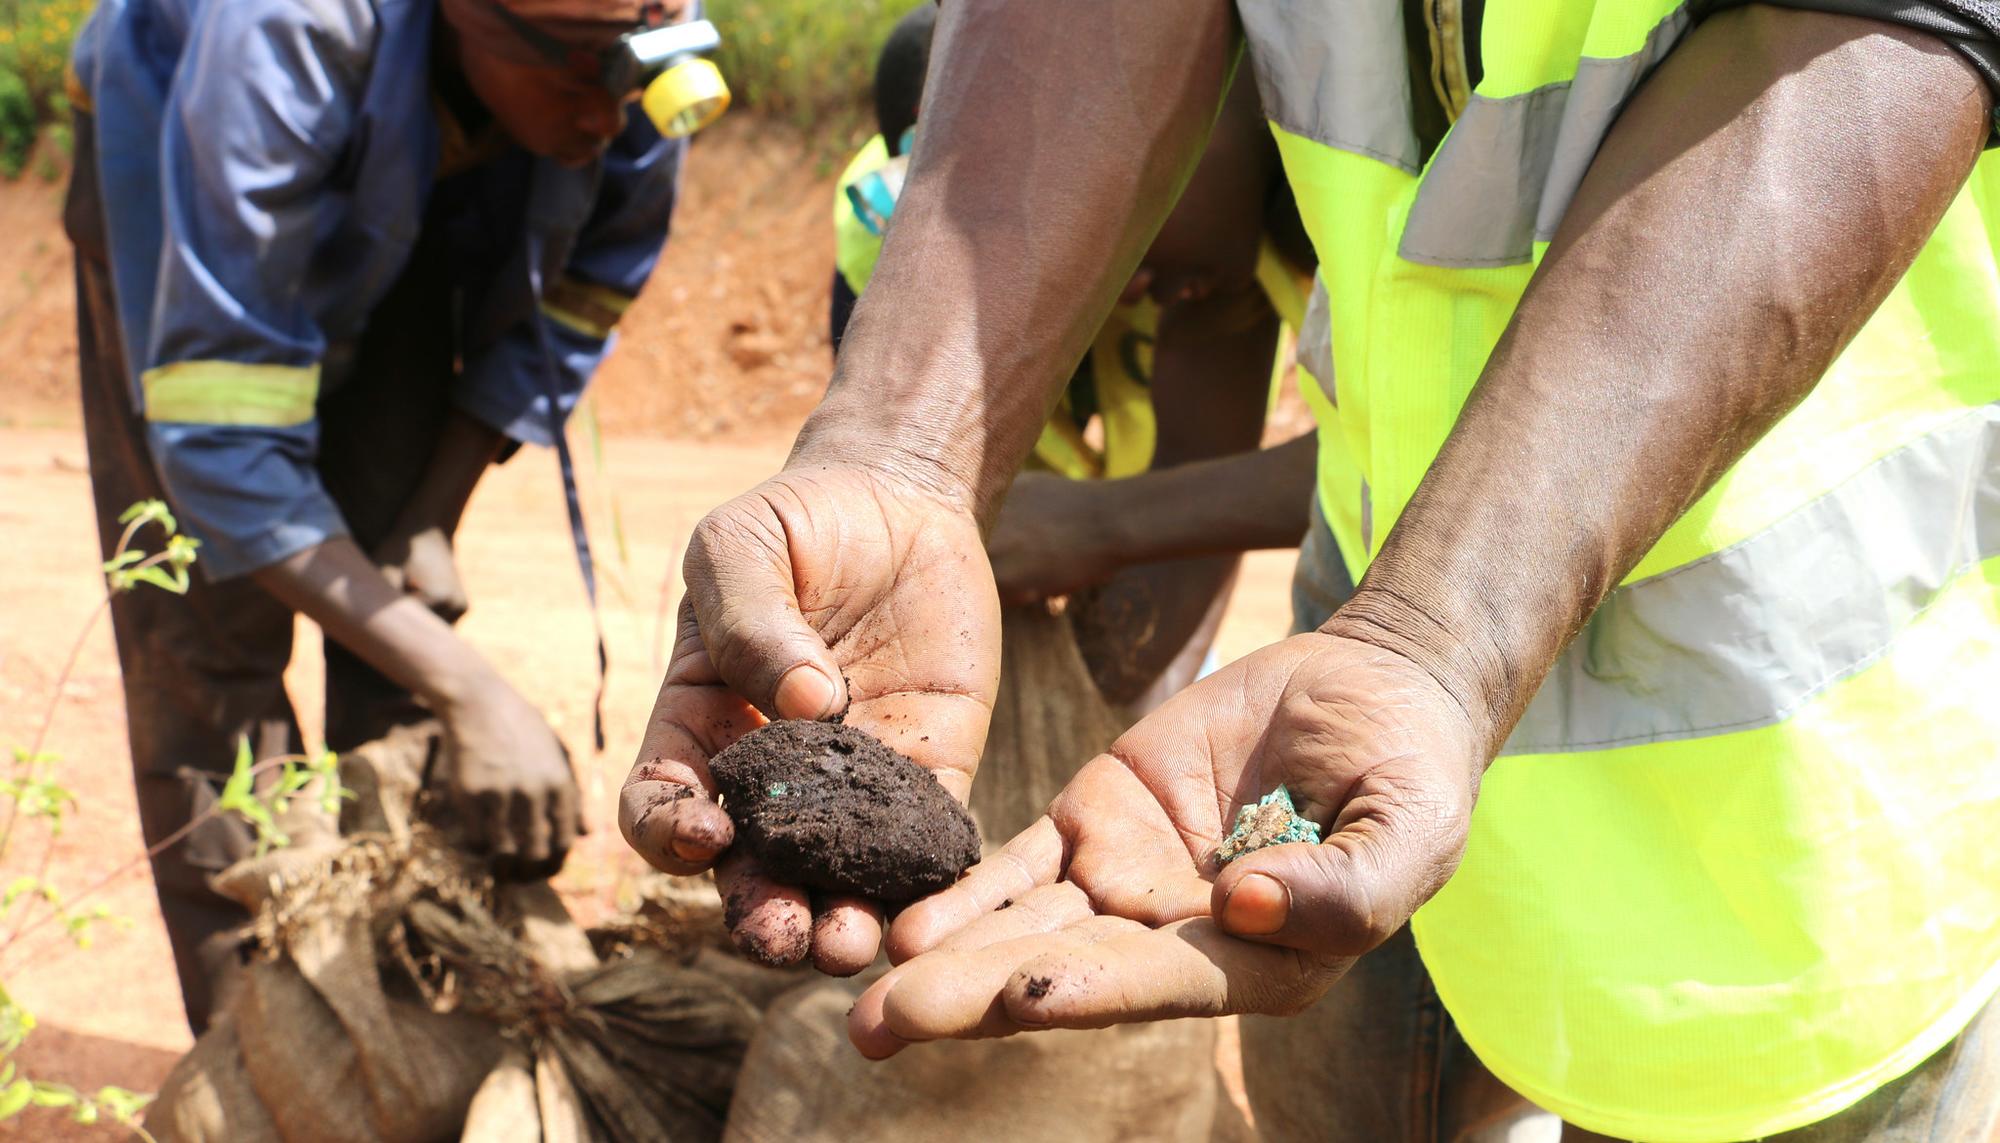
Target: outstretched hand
[(1112, 908), (825, 590)]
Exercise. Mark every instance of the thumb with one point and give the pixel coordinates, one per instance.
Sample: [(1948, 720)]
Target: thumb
[(746, 607), (1349, 893)]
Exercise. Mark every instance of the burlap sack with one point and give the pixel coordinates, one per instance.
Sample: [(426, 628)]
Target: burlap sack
[(802, 1081), (392, 991), (1048, 720), (208, 1096)]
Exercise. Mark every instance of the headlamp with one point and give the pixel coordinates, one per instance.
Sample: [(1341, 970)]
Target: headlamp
[(680, 91)]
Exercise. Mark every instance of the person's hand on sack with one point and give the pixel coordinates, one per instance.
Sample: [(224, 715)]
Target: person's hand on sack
[(846, 589), (422, 563), (1112, 907), (1049, 540), (510, 781)]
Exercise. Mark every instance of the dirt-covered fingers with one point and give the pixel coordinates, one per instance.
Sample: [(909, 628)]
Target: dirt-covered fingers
[(1190, 968), (846, 934), (666, 810), (1032, 859), (771, 923), (1048, 909), (565, 812), (524, 848), (741, 591), (675, 826), (961, 994)]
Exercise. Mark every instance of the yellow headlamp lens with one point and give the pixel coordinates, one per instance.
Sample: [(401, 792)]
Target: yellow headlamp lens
[(686, 97)]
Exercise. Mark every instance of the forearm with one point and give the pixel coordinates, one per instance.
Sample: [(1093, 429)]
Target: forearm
[(1749, 211), (465, 449), (1240, 503), (1020, 221), (337, 586)]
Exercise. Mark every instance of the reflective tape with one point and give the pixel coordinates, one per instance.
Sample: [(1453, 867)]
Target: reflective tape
[(1504, 175), (231, 393), (1335, 72), (585, 307), (1748, 635)]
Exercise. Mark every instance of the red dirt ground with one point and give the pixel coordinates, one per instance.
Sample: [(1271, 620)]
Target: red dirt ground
[(722, 356)]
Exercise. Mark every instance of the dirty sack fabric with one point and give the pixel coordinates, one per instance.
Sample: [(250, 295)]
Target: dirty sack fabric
[(392, 992)]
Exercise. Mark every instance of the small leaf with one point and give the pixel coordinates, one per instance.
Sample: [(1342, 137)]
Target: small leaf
[(175, 581), (147, 511), (236, 791), (15, 1098), (123, 1105), (54, 1095), (25, 883)]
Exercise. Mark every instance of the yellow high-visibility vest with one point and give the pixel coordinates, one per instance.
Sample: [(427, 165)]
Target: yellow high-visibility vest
[(1736, 867)]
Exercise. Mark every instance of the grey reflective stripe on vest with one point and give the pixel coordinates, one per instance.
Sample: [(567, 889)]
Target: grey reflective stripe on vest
[(1747, 636), (1505, 174), (1316, 338), (1336, 72)]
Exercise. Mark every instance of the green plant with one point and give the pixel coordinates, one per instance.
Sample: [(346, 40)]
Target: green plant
[(17, 124), (259, 792), (805, 61), (35, 39)]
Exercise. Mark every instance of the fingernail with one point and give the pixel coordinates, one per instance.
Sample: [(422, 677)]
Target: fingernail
[(1257, 906), (691, 850), (806, 692)]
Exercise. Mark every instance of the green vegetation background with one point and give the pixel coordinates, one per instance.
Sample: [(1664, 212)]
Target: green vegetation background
[(806, 62)]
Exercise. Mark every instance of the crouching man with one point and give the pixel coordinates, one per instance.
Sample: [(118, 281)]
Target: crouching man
[(333, 260)]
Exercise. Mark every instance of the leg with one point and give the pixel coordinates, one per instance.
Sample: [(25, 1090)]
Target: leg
[(1376, 1060), (202, 671), (377, 433)]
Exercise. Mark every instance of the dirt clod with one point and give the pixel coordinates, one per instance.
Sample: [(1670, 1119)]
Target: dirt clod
[(830, 807)]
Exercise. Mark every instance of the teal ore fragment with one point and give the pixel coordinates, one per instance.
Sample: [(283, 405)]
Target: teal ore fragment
[(1273, 820)]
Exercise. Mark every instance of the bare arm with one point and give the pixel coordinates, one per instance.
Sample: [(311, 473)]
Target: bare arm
[(465, 450), (1747, 214), (854, 581), (1751, 208), (338, 587), (1159, 571), (513, 781), (416, 557), (956, 353)]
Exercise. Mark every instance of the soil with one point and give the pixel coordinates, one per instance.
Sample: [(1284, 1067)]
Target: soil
[(829, 807), (718, 362)]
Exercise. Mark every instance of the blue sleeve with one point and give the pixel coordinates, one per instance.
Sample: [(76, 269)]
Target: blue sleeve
[(507, 385), (258, 115)]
